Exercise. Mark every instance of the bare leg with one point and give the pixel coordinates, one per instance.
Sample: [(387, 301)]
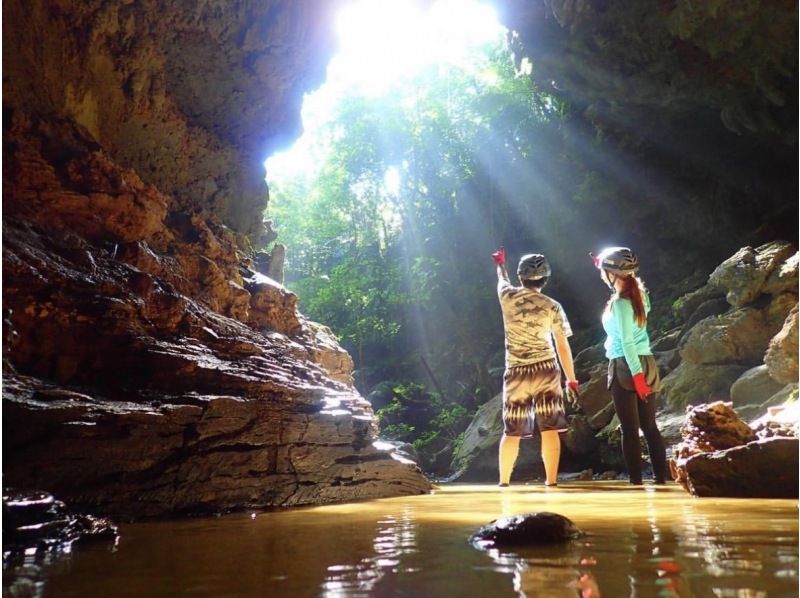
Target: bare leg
[(509, 449), (551, 453)]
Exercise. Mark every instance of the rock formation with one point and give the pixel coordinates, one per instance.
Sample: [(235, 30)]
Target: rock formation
[(721, 455), (148, 367), (36, 523)]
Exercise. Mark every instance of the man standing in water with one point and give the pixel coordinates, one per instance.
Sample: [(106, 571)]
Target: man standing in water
[(532, 380)]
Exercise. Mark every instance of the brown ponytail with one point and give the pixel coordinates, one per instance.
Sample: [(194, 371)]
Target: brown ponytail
[(633, 289)]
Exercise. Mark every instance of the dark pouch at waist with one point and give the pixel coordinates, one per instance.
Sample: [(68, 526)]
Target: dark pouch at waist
[(618, 370)]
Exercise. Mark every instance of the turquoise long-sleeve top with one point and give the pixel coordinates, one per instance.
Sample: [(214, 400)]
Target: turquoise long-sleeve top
[(626, 338)]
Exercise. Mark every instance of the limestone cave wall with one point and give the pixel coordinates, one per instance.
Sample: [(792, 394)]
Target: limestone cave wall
[(148, 368)]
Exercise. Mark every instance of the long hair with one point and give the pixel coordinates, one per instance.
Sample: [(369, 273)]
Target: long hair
[(632, 289)]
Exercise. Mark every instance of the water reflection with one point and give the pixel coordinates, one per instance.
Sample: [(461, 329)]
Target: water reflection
[(649, 552), (643, 543), (559, 571), (395, 537)]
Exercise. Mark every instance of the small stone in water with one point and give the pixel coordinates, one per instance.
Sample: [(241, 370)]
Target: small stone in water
[(527, 529)]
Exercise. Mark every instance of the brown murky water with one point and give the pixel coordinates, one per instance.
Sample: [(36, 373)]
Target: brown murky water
[(651, 541)]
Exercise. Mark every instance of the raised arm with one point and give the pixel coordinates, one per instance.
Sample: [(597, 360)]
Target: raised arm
[(499, 258)]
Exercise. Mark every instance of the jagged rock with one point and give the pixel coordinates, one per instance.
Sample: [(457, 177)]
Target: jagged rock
[(528, 529), (667, 341), (738, 337), (782, 353), (743, 275), (712, 307), (327, 352), (476, 458), (579, 439), (595, 397), (254, 444), (753, 387), (667, 360), (190, 97), (782, 417), (693, 302), (761, 469), (784, 278), (588, 359), (690, 384), (603, 417), (134, 398), (35, 523), (708, 428), (712, 427), (277, 262), (272, 306)]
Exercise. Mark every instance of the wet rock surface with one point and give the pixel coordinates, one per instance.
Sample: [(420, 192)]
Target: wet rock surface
[(762, 469), (35, 524), (38, 531), (526, 530), (721, 455)]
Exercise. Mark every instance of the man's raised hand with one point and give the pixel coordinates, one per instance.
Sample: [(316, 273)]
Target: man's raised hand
[(499, 256)]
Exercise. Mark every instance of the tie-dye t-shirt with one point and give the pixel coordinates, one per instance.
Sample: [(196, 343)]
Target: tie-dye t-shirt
[(529, 318)]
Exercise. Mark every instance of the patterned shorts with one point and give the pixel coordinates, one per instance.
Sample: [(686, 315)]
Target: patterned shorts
[(532, 393)]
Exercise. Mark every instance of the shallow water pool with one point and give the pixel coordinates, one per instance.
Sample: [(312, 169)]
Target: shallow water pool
[(648, 541)]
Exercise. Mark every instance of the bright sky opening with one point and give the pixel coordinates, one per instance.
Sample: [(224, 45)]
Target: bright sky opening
[(381, 42)]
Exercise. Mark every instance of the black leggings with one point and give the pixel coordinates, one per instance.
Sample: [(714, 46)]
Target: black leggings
[(633, 414)]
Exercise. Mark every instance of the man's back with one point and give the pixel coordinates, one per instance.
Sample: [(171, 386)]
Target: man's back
[(529, 318)]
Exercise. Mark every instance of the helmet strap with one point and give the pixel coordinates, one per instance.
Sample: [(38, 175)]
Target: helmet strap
[(610, 279)]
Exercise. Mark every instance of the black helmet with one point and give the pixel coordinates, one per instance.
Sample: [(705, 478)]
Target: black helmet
[(617, 260), (533, 267)]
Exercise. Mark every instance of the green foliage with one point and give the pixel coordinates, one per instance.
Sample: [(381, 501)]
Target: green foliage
[(402, 275), (422, 418)]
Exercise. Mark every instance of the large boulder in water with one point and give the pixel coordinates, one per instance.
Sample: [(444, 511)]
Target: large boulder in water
[(526, 530), (721, 455), (761, 469)]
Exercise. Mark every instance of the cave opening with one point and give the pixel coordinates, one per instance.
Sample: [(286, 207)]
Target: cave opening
[(384, 166)]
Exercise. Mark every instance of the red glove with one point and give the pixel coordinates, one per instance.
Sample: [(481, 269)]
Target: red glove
[(642, 389), (499, 256)]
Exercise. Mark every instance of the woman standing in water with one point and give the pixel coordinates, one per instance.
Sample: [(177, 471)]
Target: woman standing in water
[(632, 371)]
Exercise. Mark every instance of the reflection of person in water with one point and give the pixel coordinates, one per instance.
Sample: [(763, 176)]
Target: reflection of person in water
[(645, 565), (554, 582), (552, 571)]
